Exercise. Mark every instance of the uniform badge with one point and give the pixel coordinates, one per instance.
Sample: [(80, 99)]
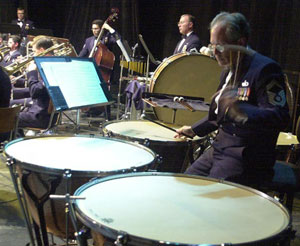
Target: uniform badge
[(245, 83), (276, 94)]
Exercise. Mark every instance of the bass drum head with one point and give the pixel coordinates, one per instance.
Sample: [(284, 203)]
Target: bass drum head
[(185, 74), (170, 209)]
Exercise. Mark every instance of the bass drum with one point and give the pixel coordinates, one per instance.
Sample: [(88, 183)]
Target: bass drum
[(185, 74)]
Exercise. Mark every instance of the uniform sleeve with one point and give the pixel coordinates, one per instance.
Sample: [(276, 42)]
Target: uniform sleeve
[(204, 127), (84, 52), (36, 88)]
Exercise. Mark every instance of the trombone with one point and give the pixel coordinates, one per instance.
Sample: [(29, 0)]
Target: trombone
[(18, 65)]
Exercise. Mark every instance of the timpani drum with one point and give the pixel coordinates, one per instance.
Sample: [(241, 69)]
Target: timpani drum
[(42, 161), (174, 152), (185, 74), (177, 209)]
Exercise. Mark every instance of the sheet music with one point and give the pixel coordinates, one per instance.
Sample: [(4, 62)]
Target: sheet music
[(78, 81)]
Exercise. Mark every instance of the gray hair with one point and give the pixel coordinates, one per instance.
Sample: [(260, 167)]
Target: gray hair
[(236, 25)]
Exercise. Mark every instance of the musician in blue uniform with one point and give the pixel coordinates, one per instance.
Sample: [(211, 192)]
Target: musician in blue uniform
[(36, 114), (108, 39), (249, 109), (189, 39), (5, 90), (13, 43)]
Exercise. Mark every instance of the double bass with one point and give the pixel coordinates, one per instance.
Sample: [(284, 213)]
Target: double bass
[(104, 58)]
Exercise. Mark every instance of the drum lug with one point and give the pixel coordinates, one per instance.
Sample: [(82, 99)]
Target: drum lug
[(159, 159), (10, 161), (146, 142), (121, 239)]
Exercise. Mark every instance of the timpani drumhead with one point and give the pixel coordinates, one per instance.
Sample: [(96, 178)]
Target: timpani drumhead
[(185, 74), (141, 130), (81, 154), (156, 208), (173, 152)]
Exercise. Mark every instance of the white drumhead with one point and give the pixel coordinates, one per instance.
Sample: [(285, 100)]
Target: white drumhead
[(143, 130), (79, 153), (287, 138), (181, 209)]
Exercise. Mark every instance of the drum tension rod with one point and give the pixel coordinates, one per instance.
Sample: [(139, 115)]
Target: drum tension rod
[(122, 239)]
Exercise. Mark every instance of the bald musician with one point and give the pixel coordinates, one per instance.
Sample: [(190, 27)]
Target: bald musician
[(248, 110)]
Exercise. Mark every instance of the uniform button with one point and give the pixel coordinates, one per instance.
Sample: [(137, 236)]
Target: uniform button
[(234, 134)]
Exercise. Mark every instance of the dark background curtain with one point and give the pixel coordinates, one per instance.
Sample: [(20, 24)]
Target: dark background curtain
[(275, 24)]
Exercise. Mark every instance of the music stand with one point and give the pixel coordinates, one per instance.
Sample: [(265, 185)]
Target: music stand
[(152, 59), (40, 31), (10, 28), (73, 83)]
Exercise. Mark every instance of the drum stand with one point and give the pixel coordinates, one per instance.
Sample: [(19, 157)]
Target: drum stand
[(41, 234), (24, 209), (69, 210)]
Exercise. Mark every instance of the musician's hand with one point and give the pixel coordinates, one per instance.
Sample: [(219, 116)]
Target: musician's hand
[(187, 130), (31, 66), (19, 59)]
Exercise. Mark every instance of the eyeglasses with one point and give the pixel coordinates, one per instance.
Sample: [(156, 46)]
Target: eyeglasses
[(220, 48), (181, 22), (95, 28)]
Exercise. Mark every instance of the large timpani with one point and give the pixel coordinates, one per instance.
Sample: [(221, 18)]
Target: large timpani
[(42, 161), (174, 152), (168, 209), (185, 74)]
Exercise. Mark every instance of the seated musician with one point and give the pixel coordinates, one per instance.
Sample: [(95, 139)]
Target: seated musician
[(2, 40), (5, 90), (13, 43), (249, 109), (189, 39), (36, 114)]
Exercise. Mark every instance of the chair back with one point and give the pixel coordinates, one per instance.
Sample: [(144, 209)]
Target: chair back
[(289, 95), (9, 118)]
